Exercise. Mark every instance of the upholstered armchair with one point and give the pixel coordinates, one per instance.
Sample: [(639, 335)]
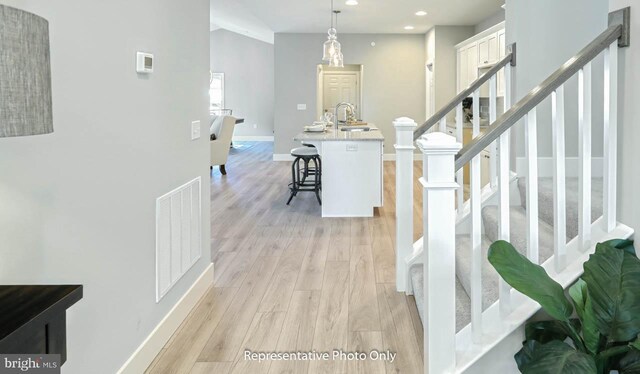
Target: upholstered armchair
[(222, 131)]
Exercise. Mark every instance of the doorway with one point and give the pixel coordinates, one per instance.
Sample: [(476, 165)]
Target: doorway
[(338, 85)]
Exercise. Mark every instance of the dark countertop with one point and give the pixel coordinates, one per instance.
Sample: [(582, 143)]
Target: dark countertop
[(20, 305)]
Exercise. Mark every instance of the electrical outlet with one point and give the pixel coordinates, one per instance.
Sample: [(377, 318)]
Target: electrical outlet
[(195, 130), (255, 125), (302, 106)]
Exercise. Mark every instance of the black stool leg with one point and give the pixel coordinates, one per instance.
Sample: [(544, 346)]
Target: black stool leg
[(294, 187), (317, 180)]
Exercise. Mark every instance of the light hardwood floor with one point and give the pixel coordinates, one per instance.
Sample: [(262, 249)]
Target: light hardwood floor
[(288, 280)]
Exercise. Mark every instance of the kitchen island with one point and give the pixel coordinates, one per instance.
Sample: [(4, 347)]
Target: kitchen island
[(352, 176)]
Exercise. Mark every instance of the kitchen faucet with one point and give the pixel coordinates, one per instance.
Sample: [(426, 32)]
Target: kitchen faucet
[(349, 105)]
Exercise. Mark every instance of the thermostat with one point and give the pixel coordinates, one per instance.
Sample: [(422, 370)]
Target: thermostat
[(144, 63)]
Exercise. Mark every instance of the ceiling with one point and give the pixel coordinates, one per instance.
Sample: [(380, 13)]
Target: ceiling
[(261, 18)]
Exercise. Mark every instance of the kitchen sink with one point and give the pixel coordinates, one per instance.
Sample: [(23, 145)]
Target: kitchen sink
[(353, 129)]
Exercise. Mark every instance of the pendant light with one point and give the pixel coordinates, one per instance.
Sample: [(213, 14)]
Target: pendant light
[(337, 60), (331, 46)]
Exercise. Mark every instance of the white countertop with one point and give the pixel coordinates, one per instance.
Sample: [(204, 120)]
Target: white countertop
[(332, 135)]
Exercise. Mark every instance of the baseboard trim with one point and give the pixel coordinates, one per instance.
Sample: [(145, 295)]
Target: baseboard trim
[(153, 344), (572, 166), (253, 138), (385, 157)]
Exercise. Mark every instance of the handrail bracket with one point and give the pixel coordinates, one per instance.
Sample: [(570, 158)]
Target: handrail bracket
[(622, 17)]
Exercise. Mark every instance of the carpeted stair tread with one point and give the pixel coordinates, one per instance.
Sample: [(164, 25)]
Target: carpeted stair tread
[(518, 232), (463, 304), (545, 201), (463, 270)]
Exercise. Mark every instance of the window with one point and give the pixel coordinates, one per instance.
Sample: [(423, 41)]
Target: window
[(216, 93)]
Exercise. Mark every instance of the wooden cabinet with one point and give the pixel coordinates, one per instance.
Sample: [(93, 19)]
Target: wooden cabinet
[(488, 50), (479, 53), (502, 51), (467, 65)]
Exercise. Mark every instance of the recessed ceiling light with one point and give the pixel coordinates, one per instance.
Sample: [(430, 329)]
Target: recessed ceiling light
[(421, 13), (408, 27), (352, 2)]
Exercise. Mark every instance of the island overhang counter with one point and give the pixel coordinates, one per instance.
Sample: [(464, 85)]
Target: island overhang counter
[(352, 170)]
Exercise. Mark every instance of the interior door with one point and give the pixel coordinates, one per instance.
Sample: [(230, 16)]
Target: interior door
[(338, 88)]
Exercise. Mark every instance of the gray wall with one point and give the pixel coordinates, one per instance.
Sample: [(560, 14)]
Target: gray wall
[(543, 47), (248, 67), (78, 205), (629, 118), (393, 82), (446, 67), (490, 21)]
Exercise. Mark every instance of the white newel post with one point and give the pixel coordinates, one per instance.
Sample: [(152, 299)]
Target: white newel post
[(439, 213), (404, 198)]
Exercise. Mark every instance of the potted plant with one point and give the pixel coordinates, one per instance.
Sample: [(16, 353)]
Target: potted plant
[(602, 334)]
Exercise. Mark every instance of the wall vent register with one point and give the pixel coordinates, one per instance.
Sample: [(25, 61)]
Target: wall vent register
[(178, 227)]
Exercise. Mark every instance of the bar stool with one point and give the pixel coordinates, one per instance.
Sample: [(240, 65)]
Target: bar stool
[(299, 176)]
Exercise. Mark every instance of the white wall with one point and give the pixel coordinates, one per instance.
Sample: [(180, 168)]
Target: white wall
[(548, 33), (78, 205), (248, 67), (393, 82), (629, 118)]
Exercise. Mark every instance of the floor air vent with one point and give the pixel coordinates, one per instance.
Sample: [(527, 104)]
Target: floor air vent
[(178, 225)]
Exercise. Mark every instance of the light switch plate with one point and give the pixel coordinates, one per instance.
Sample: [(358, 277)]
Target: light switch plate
[(195, 130), (352, 148), (302, 106)]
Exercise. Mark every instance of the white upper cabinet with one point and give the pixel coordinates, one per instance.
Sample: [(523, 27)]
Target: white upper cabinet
[(502, 47), (488, 50), (478, 54)]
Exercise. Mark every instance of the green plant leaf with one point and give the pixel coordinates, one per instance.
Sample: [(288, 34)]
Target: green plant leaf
[(636, 343), (525, 355), (530, 279), (546, 331), (613, 280), (591, 335), (630, 363), (557, 357), (578, 293), (624, 244)]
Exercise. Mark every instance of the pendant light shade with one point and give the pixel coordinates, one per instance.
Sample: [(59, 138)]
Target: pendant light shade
[(331, 46), (331, 49), (337, 61)]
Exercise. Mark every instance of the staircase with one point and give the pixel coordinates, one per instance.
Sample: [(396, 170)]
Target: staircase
[(518, 233), (474, 321)]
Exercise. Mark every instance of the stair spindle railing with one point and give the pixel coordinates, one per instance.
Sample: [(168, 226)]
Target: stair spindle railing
[(444, 203)]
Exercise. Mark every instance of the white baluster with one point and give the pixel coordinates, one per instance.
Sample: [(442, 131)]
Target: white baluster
[(584, 155), (476, 233), (439, 188), (504, 185), (459, 139), (493, 115), (559, 181), (443, 124), (507, 87), (531, 154), (404, 198), (610, 136)]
